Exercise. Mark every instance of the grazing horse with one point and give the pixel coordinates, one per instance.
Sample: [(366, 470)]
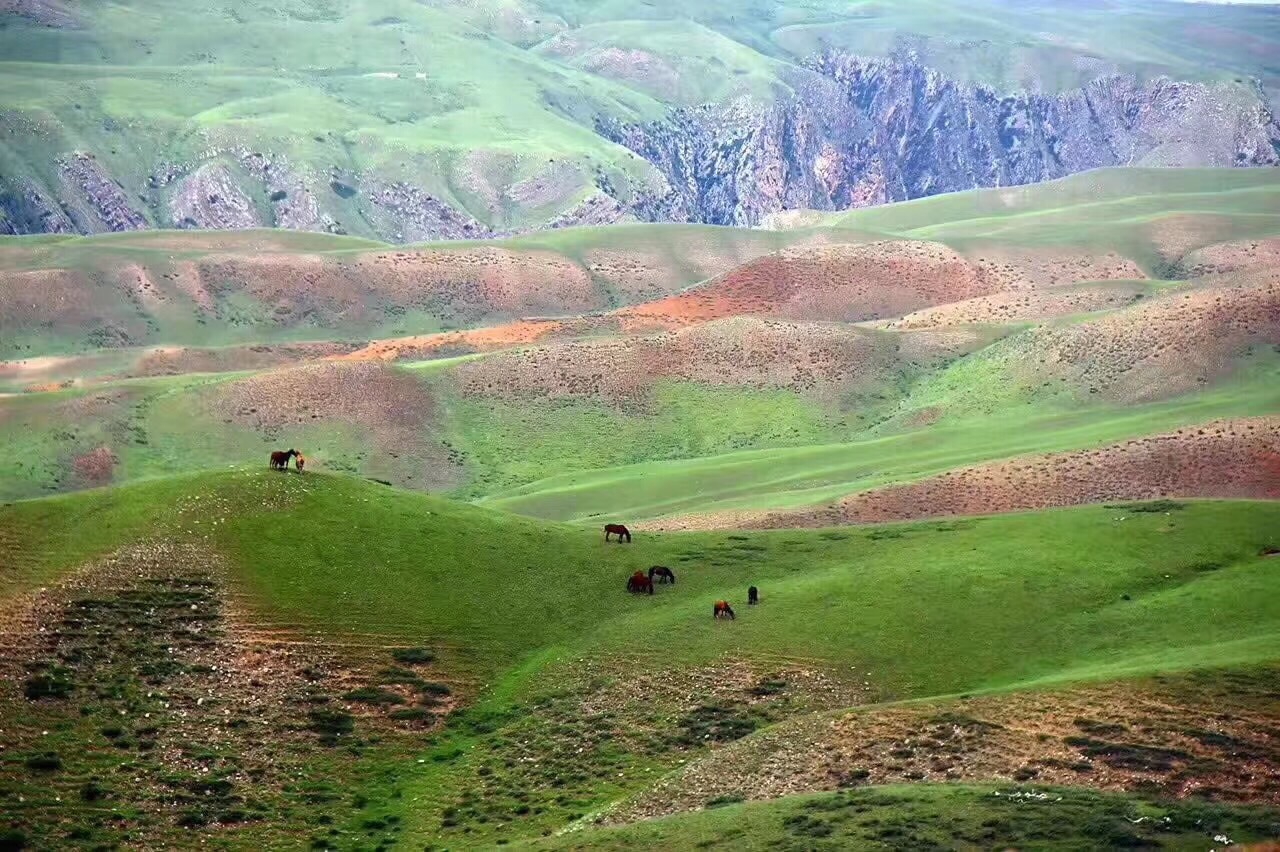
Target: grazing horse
[(722, 610), (638, 582), (299, 461), (280, 460), (753, 595), (664, 575), (619, 530)]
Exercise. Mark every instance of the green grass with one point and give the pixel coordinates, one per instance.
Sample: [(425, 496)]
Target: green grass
[(510, 90), (508, 444), (509, 607), (788, 477), (938, 817), (1008, 599)]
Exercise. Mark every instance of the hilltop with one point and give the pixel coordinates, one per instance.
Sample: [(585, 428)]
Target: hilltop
[(416, 671)]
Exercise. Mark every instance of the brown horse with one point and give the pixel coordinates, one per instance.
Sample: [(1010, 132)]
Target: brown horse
[(280, 460), (619, 530), (663, 575), (299, 461), (639, 583), (722, 610)]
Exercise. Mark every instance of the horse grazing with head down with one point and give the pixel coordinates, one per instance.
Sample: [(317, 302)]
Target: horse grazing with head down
[(280, 460), (619, 530), (722, 610), (638, 583), (663, 575)]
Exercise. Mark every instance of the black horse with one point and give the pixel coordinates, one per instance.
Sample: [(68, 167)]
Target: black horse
[(660, 574), (280, 460), (753, 595)]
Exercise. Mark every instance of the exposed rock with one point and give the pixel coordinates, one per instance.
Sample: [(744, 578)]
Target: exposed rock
[(24, 209), (417, 216), (105, 197), (51, 13), (210, 198), (868, 131), (293, 204), (595, 210)]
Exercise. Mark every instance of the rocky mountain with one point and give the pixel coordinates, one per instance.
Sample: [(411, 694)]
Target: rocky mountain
[(479, 119), (863, 131)]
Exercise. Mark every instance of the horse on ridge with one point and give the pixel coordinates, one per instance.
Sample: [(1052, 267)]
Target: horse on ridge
[(280, 459)]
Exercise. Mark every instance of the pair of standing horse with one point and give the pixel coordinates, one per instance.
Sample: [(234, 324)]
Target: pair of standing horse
[(280, 459)]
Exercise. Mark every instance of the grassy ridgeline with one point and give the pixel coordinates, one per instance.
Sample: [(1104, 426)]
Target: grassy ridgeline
[(926, 609)]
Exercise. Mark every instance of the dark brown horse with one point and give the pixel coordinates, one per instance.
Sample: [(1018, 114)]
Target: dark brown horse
[(639, 583), (280, 460), (663, 575), (619, 530), (722, 610)]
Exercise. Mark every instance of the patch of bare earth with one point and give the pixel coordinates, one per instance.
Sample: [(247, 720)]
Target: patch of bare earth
[(393, 411), (743, 352), (1211, 735), (856, 283), (1024, 306), (1161, 347), (195, 720), (96, 467), (181, 360), (1260, 254)]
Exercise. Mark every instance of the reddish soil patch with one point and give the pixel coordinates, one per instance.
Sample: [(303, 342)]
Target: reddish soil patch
[(172, 361), (745, 351), (854, 283), (96, 467), (1227, 458), (1165, 346), (1206, 734), (1262, 254), (451, 343), (1024, 306)]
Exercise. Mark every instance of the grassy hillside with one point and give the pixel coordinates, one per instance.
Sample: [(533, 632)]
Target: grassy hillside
[(490, 108), (526, 623), (941, 816), (320, 575)]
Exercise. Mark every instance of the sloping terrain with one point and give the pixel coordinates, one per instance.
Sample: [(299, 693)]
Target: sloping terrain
[(406, 122), (1236, 458), (350, 682)]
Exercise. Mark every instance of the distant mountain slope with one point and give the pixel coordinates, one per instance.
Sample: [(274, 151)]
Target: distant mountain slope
[(408, 121)]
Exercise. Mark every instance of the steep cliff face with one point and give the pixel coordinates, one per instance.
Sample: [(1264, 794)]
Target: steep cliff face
[(867, 131)]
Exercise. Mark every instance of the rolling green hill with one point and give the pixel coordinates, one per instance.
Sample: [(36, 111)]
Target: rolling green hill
[(395, 119), (524, 620)]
